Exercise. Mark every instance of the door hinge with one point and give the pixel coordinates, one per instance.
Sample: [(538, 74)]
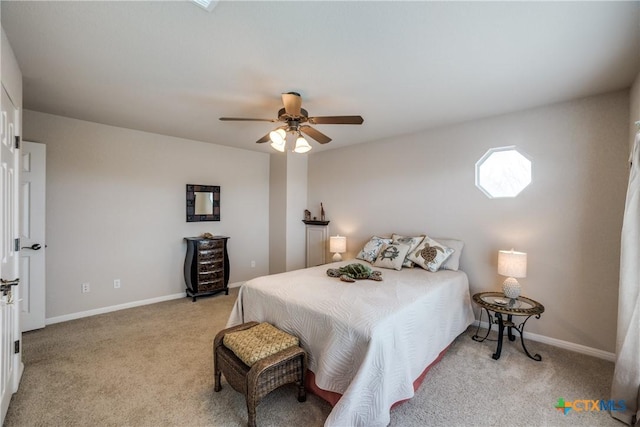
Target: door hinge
[(16, 346), (16, 244), (17, 141)]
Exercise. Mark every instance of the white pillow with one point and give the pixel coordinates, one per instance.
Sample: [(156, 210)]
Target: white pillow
[(430, 254), (370, 250), (413, 243), (392, 255), (453, 262)]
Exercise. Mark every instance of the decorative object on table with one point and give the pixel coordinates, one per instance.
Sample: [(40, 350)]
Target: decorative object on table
[(513, 265), (307, 215), (295, 119), (207, 236), (321, 212), (337, 245), (206, 266), (203, 203), (356, 271)]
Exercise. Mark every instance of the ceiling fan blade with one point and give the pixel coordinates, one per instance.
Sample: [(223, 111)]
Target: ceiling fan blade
[(243, 119), (315, 134), (336, 120), (292, 102), (263, 139)]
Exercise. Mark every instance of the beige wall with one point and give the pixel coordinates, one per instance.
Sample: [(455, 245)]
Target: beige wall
[(288, 191), (116, 210), (635, 110), (277, 213), (296, 204), (11, 75), (568, 220)]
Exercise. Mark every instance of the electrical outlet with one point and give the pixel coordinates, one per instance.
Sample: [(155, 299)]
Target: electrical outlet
[(86, 288), (116, 283), (253, 264)]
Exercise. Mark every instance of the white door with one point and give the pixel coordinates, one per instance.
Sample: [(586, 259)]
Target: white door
[(10, 363), (32, 220)]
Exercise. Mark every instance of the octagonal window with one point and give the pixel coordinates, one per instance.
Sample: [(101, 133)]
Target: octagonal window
[(503, 172)]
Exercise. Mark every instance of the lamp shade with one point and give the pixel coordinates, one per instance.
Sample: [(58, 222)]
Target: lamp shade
[(278, 136), (512, 264), (337, 244), (302, 146)]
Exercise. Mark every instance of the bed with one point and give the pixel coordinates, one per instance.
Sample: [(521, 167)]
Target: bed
[(367, 341)]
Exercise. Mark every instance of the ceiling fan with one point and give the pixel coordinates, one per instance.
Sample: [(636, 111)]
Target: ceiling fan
[(295, 121)]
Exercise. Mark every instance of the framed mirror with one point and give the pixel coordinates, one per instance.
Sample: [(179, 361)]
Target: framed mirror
[(203, 203)]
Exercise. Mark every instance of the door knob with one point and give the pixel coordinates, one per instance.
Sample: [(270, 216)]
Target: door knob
[(35, 246)]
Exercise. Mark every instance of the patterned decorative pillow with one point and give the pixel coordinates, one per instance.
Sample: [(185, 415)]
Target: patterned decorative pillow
[(453, 262), (370, 251), (392, 255), (253, 344), (413, 243), (430, 254)]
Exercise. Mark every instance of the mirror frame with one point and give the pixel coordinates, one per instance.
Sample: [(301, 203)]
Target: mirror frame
[(191, 202)]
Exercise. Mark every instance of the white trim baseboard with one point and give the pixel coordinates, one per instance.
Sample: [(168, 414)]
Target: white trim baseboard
[(578, 348), (81, 314), (235, 284)]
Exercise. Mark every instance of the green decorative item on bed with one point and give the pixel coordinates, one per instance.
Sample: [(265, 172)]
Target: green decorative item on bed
[(356, 271)]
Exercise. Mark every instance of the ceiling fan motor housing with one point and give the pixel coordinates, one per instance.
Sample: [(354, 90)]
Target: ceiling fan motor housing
[(284, 117)]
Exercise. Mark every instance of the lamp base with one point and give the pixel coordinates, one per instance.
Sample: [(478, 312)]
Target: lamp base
[(511, 288), (337, 257)]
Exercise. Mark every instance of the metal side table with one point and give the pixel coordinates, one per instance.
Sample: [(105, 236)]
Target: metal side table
[(500, 305)]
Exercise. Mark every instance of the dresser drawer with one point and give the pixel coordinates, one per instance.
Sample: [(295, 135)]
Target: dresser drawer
[(210, 244), (211, 286), (206, 266), (210, 254), (210, 276)]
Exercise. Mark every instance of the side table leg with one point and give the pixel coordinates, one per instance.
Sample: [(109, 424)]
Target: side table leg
[(536, 356), (509, 329), (476, 337), (496, 355)]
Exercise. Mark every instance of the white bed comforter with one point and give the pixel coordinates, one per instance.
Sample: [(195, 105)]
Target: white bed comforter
[(365, 340)]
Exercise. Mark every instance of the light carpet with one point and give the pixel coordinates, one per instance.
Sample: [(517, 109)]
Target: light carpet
[(152, 366)]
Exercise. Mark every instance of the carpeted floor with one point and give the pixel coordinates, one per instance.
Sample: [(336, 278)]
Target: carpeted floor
[(152, 366)]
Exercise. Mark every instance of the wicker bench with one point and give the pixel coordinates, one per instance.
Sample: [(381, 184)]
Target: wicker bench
[(255, 382)]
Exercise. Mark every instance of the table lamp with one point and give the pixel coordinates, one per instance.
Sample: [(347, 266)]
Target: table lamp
[(513, 265), (338, 245)]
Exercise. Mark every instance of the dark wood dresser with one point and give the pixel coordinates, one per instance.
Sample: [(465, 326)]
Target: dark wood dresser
[(206, 266)]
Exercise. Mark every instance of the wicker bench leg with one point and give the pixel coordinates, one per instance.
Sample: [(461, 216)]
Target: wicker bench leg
[(217, 386), (216, 372), (251, 413), (302, 393)]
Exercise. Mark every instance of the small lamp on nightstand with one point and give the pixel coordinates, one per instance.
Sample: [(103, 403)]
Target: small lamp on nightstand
[(513, 265), (338, 245)]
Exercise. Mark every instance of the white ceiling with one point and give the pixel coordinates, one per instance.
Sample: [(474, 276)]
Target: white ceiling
[(172, 68)]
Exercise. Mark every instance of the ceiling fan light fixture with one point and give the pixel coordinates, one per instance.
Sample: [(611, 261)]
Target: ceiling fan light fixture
[(278, 137), (302, 146), (279, 146)]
